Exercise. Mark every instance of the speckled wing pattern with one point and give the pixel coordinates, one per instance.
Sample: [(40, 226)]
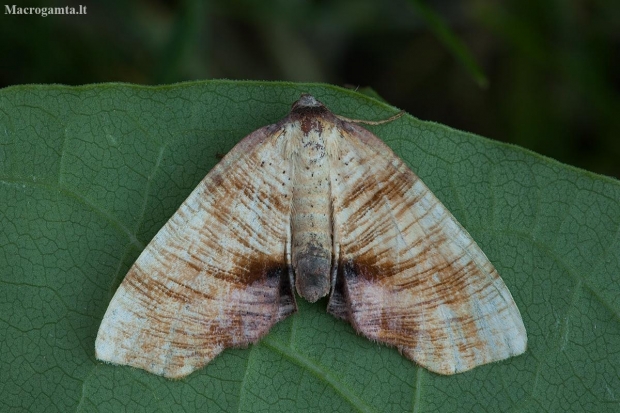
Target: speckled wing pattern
[(318, 204), (215, 276), (409, 274)]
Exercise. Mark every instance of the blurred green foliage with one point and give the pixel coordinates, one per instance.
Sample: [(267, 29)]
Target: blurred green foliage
[(540, 74)]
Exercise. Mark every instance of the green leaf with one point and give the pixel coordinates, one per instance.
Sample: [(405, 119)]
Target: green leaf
[(89, 174)]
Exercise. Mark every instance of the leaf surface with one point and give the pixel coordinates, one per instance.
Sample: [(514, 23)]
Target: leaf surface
[(89, 174)]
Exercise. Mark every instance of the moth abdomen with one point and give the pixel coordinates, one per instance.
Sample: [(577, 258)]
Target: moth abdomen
[(312, 272), (311, 248)]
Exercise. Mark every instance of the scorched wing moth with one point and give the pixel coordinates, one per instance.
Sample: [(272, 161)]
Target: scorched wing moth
[(318, 204)]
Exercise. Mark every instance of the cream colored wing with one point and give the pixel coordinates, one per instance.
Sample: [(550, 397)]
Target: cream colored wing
[(409, 274), (216, 275)]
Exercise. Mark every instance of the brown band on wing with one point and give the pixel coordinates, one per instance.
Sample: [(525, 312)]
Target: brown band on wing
[(253, 271), (349, 272), (259, 270), (153, 290), (367, 269), (275, 275), (287, 305), (390, 190), (338, 304)]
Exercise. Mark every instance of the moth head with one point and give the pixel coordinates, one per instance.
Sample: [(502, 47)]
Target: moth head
[(306, 100)]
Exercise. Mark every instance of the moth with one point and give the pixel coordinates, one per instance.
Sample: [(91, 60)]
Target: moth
[(317, 204)]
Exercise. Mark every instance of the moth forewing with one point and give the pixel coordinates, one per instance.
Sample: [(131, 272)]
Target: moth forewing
[(413, 277), (316, 203), (215, 276)]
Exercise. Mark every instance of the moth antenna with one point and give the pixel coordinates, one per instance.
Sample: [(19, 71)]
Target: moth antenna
[(372, 122)]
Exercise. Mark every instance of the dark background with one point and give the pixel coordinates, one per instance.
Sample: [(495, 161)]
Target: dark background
[(541, 74)]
